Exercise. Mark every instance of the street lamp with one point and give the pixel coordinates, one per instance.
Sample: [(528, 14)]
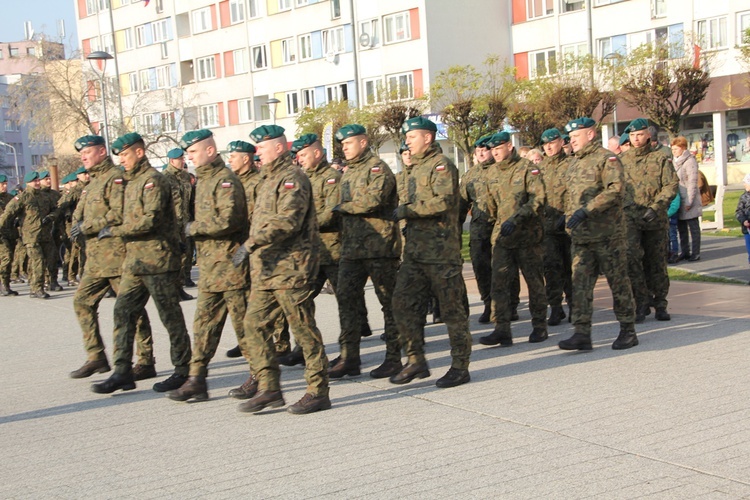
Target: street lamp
[(272, 105), (15, 159), (100, 55)]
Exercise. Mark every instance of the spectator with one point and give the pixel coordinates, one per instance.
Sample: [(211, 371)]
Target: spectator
[(674, 244), (534, 156), (613, 144), (743, 214), (687, 171)]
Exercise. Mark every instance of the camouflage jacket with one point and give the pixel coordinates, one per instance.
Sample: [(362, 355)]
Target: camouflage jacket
[(148, 226), (325, 182), (284, 241), (10, 231), (594, 182), (101, 205), (404, 184), (474, 198), (516, 194), (219, 228), (650, 182), (31, 206), (179, 182), (250, 181), (368, 199), (554, 169), (433, 234)]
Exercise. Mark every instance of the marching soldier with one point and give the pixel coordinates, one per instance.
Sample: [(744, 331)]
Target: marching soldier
[(179, 182), (7, 241), (51, 246)]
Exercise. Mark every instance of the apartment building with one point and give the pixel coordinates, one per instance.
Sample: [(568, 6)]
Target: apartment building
[(233, 65)]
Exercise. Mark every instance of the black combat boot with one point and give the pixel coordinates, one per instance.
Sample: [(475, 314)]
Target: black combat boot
[(55, 286), (514, 314), (143, 372), (39, 295), (387, 369), (5, 290), (539, 334), (365, 330), (234, 352), (247, 390), (556, 315), (310, 403), (625, 340), (661, 314), (116, 381), (173, 383), (91, 367), (261, 400), (293, 358), (578, 342), (436, 316), (454, 377), (345, 367), (184, 295), (194, 388), (410, 372), (486, 316), (505, 339), (641, 312)]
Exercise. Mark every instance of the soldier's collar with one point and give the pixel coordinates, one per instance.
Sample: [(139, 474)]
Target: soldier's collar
[(366, 155), (643, 150)]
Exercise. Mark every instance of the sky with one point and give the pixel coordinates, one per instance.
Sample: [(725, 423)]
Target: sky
[(43, 15)]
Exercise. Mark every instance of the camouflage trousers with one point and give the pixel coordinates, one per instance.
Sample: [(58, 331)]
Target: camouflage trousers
[(557, 268), (187, 259), (7, 248), (86, 301), (76, 261), (262, 310), (589, 259), (350, 295), (505, 265), (481, 261), (36, 267), (647, 264), (211, 312), (132, 297), (415, 283), (51, 260), (20, 258)]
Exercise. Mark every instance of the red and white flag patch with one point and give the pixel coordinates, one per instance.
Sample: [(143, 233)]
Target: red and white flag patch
[(149, 185), (612, 158), (535, 171), (226, 184), (331, 181), (375, 170), (118, 181), (289, 185), (440, 168)]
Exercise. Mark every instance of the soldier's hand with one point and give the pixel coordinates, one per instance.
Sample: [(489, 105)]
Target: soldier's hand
[(560, 225), (104, 233), (578, 216), (48, 219), (649, 216), (507, 228), (240, 256), (187, 229), (75, 230)]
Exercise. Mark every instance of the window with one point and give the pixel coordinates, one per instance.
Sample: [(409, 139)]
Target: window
[(301, 3), (108, 43), (34, 160), (616, 44), (103, 4), (337, 92), (572, 5), (90, 7), (201, 20), (712, 33), (31, 51), (239, 57), (573, 56), (335, 9), (163, 77), (607, 2), (128, 39), (9, 125), (305, 47), (145, 80), (285, 5), (160, 30), (288, 51), (147, 124), (397, 27), (253, 9), (168, 122), (542, 63), (658, 8), (236, 11), (164, 50), (262, 110), (370, 28), (539, 8), (743, 24), (401, 86), (14, 52), (333, 41), (1, 54), (308, 98), (140, 35), (159, 6), (373, 91), (206, 68), (292, 103), (133, 79), (260, 58), (210, 115), (245, 108)]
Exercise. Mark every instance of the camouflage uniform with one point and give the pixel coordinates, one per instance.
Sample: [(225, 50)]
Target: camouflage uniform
[(73, 261), (284, 248), (325, 182), (101, 205), (650, 182), (179, 181), (594, 182), (8, 237), (432, 259), (151, 264), (218, 230), (51, 246), (370, 246), (516, 194), (557, 258)]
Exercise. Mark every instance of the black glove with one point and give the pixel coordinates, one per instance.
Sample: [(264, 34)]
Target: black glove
[(75, 230), (104, 233), (578, 216), (187, 229), (48, 219), (507, 228), (403, 231), (240, 256), (649, 216), (560, 225)]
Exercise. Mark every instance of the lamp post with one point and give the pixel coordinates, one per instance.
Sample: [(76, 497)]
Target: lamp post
[(272, 105), (100, 55), (610, 57), (15, 159)]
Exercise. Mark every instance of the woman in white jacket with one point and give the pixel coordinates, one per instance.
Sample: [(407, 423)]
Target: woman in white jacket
[(686, 167)]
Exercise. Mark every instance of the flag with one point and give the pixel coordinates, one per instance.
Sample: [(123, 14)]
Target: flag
[(696, 56)]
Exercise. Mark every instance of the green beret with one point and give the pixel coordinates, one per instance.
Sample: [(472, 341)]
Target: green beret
[(3, 178), (81, 170), (14, 192), (303, 141), (418, 123), (351, 130), (88, 140), (498, 139), (636, 125), (566, 139), (67, 178), (482, 141), (175, 153), (43, 174), (266, 133), (403, 147), (624, 139), (30, 176), (125, 141), (192, 137), (550, 135), (579, 123), (240, 147)]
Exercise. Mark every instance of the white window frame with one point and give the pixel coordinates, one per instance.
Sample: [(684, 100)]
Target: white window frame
[(333, 41), (239, 57), (8, 125), (236, 11), (548, 9), (263, 52), (140, 35), (705, 29), (108, 43), (292, 103), (128, 39), (201, 19), (285, 5), (253, 9), (658, 8), (245, 110), (205, 68), (168, 121), (336, 92), (607, 2), (301, 3), (209, 115), (159, 6), (576, 5), (391, 32), (91, 7), (548, 71), (572, 55), (335, 9), (160, 31), (288, 51), (742, 18), (376, 85), (371, 28), (397, 92), (135, 83), (144, 78), (163, 77), (305, 47), (148, 124), (307, 98)]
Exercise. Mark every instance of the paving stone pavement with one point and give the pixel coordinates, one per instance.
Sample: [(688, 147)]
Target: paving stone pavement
[(667, 419)]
